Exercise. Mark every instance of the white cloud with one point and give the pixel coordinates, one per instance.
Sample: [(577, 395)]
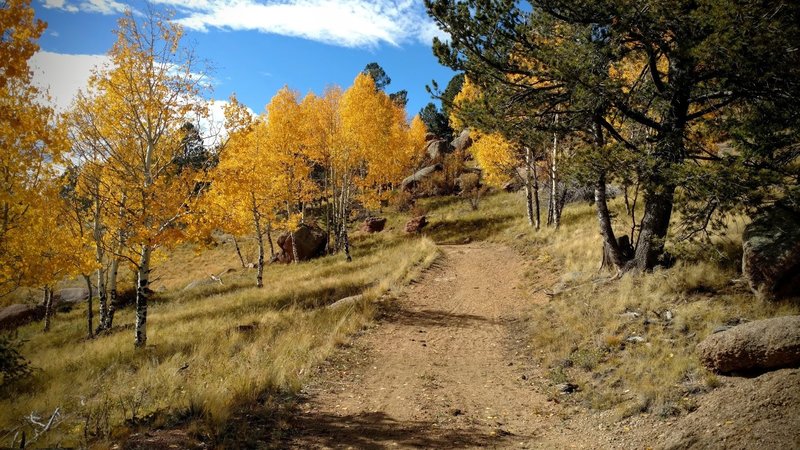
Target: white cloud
[(96, 6), (63, 75), (347, 23), (212, 127)]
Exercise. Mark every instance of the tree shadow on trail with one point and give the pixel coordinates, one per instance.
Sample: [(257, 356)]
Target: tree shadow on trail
[(397, 314), (455, 231), (377, 430)]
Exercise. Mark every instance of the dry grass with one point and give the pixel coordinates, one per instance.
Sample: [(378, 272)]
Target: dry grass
[(628, 344), (211, 348)]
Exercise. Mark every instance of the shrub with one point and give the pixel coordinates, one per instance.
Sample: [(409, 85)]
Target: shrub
[(13, 366)]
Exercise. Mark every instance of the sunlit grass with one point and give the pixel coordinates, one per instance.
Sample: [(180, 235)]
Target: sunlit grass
[(629, 343), (211, 348), (587, 332)]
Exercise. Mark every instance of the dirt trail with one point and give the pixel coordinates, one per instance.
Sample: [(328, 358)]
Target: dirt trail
[(442, 370)]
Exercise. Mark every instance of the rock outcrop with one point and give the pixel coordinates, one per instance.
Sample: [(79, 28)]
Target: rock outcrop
[(71, 295), (463, 141), (311, 243), (19, 314), (374, 224), (411, 182), (436, 149), (416, 224), (756, 346), (771, 252)]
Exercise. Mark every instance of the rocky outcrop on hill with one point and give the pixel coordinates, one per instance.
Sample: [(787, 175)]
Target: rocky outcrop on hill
[(413, 181), (771, 252), (311, 243), (416, 224), (374, 224), (19, 314), (71, 295), (754, 346), (436, 149), (463, 141)]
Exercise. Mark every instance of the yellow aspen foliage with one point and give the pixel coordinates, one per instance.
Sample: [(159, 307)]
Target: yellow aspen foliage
[(469, 92), (496, 156), (30, 143), (377, 134), (131, 120), (285, 154)]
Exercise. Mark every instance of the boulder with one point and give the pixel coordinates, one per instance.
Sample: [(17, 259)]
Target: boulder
[(463, 141), (411, 182), (19, 314), (311, 243), (71, 295), (771, 252), (374, 224), (430, 136), (436, 149), (757, 346), (416, 224)]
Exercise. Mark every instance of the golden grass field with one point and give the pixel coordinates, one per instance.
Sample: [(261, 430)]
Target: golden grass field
[(216, 347), (582, 335), (211, 348)]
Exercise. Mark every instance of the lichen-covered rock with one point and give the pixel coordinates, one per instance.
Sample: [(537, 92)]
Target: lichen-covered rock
[(311, 243), (771, 252), (17, 315), (463, 141), (374, 224), (416, 224), (436, 148), (411, 182), (756, 346)]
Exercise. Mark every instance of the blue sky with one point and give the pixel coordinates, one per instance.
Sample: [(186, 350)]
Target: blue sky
[(255, 46)]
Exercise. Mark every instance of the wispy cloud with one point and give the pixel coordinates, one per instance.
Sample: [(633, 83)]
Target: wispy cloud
[(95, 6), (347, 23)]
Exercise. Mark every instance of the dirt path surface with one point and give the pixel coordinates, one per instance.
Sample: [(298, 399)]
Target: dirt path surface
[(443, 369)]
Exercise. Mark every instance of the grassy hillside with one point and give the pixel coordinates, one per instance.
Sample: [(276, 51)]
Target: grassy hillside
[(627, 344), (211, 348)]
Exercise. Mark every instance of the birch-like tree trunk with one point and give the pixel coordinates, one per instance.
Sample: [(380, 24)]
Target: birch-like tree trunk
[(259, 240), (269, 239), (142, 296), (552, 218), (531, 189), (97, 234), (89, 311), (238, 251), (112, 294), (48, 307)]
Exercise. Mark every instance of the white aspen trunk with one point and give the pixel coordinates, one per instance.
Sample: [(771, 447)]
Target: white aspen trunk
[(239, 251), (292, 235), (89, 312), (48, 307), (259, 239), (143, 278), (142, 296), (112, 294), (529, 187), (551, 219), (97, 234), (269, 239)]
